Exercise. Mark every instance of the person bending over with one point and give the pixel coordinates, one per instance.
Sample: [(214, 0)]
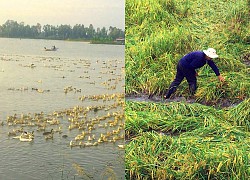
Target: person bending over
[(187, 66)]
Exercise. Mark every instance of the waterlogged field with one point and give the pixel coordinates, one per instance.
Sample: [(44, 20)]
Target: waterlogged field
[(62, 112), (201, 137)]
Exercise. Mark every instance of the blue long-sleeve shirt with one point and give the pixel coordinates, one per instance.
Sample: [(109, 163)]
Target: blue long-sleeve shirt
[(196, 59)]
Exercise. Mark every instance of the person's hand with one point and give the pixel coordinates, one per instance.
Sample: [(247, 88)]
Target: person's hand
[(221, 78)]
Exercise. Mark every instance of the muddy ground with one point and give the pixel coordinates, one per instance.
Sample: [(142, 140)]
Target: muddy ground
[(223, 103)]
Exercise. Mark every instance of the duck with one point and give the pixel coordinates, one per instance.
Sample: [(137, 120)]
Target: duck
[(18, 130), (115, 138), (88, 144), (116, 131), (48, 132), (122, 146), (11, 133), (25, 138), (53, 121), (16, 137), (72, 126), (81, 144), (59, 130), (100, 140), (27, 134), (65, 136), (79, 137), (81, 127), (42, 128), (49, 136), (40, 90), (108, 134), (72, 144), (90, 138)]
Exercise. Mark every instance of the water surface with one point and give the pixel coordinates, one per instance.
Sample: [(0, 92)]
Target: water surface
[(34, 81)]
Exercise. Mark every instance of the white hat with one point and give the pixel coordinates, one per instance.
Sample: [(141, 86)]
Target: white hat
[(210, 52)]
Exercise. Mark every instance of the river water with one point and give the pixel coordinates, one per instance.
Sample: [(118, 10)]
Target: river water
[(80, 85)]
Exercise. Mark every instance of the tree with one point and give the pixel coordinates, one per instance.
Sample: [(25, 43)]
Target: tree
[(14, 29), (115, 33), (90, 32), (64, 31)]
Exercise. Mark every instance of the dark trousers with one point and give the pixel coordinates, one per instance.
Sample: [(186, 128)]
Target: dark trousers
[(182, 72)]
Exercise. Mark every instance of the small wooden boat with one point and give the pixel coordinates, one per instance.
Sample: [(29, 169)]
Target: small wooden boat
[(50, 49)]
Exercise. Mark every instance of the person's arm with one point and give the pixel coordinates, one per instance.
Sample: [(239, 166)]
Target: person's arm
[(216, 70)]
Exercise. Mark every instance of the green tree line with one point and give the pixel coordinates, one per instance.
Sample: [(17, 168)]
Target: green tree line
[(13, 29)]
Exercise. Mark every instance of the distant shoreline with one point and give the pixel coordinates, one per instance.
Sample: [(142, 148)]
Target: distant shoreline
[(78, 40), (98, 41)]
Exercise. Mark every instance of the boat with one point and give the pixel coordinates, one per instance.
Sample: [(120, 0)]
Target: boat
[(53, 48)]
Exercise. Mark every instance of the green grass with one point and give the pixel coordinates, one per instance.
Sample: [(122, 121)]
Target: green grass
[(159, 33), (162, 157), (179, 140), (186, 141)]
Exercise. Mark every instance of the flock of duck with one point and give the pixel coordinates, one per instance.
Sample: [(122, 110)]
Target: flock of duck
[(106, 126), (79, 119), (108, 67)]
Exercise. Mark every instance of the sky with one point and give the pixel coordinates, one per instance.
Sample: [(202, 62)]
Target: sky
[(99, 13)]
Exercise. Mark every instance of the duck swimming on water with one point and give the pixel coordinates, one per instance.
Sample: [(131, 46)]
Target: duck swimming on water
[(25, 139), (49, 136), (48, 132)]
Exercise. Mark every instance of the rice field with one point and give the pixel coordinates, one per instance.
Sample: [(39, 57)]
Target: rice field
[(187, 141), (175, 27), (201, 137)]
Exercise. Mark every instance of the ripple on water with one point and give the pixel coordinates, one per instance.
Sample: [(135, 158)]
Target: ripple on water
[(54, 159)]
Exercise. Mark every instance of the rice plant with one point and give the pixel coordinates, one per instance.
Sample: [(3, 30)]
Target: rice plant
[(207, 146), (240, 115)]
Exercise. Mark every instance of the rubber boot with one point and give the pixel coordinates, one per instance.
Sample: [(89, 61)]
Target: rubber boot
[(170, 91), (192, 89)]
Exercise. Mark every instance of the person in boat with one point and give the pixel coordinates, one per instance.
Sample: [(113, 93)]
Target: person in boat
[(53, 48), (187, 66)]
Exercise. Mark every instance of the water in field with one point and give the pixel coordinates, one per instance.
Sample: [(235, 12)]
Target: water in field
[(78, 91)]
